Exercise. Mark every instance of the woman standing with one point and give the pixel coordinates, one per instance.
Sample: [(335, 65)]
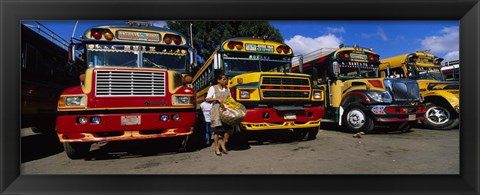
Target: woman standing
[(217, 93)]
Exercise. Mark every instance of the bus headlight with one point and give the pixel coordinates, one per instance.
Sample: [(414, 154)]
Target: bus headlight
[(380, 96), (182, 100), (244, 94), (73, 101), (317, 95)]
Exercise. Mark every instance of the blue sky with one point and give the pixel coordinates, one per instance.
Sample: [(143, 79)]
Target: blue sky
[(387, 38)]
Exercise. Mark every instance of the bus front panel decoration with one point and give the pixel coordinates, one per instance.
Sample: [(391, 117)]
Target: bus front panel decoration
[(259, 78), (441, 96), (356, 98), (132, 89)]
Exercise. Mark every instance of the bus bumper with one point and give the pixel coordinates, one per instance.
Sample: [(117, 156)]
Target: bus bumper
[(116, 127), (397, 113), (271, 118)]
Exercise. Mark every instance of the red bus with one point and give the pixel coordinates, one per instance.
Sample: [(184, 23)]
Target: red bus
[(132, 88)]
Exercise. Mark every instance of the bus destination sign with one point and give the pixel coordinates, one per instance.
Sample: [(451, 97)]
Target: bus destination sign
[(138, 36), (259, 47)]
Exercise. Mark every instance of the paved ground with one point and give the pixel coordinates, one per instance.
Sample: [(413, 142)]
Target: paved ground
[(422, 151)]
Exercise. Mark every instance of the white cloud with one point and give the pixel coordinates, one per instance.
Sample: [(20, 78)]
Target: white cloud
[(447, 41), (302, 45), (379, 34), (454, 55), (160, 23), (336, 30)]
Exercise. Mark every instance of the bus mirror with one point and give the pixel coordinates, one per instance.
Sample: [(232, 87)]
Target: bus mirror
[(71, 52), (300, 63), (336, 68), (315, 75), (82, 78), (187, 79)]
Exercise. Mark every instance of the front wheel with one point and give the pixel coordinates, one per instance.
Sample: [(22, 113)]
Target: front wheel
[(356, 120), (76, 150), (438, 116)]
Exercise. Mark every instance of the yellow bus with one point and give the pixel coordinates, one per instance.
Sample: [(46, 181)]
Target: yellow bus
[(258, 78), (132, 88), (441, 96), (356, 98)]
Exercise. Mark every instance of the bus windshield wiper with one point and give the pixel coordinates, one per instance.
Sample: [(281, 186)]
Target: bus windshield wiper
[(153, 63)]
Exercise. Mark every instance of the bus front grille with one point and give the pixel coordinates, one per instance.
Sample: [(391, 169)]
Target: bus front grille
[(285, 94), (293, 88), (405, 91), (129, 83)]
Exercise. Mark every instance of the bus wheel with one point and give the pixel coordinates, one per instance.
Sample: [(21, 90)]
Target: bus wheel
[(77, 150), (440, 117), (356, 120), (312, 133)]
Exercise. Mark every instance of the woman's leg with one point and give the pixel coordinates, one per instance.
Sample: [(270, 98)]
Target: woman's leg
[(226, 135), (215, 140)]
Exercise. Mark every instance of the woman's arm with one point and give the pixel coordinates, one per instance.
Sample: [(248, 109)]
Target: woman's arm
[(211, 96)]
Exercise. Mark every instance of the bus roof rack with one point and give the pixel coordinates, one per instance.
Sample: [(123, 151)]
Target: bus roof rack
[(354, 46)]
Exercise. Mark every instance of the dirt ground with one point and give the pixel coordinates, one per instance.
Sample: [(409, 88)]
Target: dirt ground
[(422, 151)]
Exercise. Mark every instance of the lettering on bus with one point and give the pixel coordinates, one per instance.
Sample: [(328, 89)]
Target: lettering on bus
[(138, 36), (120, 47), (259, 47), (358, 56)]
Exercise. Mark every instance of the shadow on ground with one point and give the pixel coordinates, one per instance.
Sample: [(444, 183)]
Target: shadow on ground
[(37, 146)]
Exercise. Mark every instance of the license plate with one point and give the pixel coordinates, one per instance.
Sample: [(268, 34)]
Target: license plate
[(411, 117), (290, 116), (131, 120)]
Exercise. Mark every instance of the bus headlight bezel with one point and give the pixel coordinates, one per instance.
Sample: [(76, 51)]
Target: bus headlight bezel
[(380, 96), (182, 100), (317, 95), (73, 101), (244, 94)]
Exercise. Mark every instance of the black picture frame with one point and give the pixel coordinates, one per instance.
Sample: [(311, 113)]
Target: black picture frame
[(12, 12)]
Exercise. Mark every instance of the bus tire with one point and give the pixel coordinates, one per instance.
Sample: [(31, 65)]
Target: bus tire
[(76, 150), (356, 119), (440, 117), (312, 133)]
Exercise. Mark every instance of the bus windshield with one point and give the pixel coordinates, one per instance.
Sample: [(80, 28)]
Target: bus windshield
[(136, 56), (243, 63), (429, 73)]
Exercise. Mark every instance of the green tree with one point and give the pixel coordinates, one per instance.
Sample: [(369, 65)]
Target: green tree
[(208, 35)]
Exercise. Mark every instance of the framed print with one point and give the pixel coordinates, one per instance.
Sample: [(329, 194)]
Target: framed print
[(466, 12)]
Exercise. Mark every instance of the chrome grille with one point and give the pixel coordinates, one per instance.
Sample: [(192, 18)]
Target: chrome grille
[(284, 81), (403, 91), (129, 83), (285, 94), (285, 88)]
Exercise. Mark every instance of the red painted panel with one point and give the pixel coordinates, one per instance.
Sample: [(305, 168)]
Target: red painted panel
[(255, 115)]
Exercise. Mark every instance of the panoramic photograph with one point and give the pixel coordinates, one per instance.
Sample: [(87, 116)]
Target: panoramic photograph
[(240, 97)]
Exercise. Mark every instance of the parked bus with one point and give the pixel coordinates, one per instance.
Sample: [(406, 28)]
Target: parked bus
[(356, 98), (451, 70), (45, 72), (258, 78), (441, 97), (132, 88)]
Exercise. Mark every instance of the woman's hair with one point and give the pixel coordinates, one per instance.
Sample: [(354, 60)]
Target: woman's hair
[(218, 77)]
